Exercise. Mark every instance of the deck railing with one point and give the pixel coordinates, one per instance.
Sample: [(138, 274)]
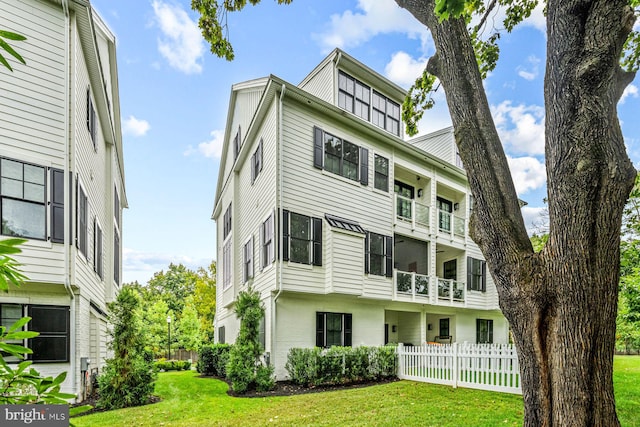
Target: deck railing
[(436, 289)]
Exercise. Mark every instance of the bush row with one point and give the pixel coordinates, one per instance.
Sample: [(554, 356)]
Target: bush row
[(341, 365), (213, 359), (172, 365)]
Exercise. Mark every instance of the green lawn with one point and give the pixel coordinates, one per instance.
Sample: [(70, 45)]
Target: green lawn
[(192, 401)]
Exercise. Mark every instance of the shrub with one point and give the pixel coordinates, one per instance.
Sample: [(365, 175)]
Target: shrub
[(128, 378), (244, 356), (172, 365), (264, 378), (213, 359), (340, 365)]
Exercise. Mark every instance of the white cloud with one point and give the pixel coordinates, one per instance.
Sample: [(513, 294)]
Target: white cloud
[(403, 69), (136, 127), (528, 173), (211, 148), (521, 127), (631, 90), (371, 18), (181, 44), (531, 70)]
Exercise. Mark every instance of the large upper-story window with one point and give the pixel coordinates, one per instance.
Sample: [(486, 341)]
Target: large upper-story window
[(301, 238), (23, 193), (341, 157), (385, 113), (353, 95), (359, 99), (92, 122)]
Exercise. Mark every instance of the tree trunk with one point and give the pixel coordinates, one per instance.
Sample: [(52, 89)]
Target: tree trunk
[(561, 303)]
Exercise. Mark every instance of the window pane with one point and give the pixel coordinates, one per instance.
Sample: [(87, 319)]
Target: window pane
[(48, 319), (299, 251), (342, 81), (34, 192), (23, 219), (382, 165), (11, 313), (376, 264), (49, 348), (12, 188), (377, 118), (34, 174), (11, 169), (351, 152), (334, 329), (300, 226)]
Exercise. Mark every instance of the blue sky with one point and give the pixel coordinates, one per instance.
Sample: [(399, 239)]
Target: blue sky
[(174, 96)]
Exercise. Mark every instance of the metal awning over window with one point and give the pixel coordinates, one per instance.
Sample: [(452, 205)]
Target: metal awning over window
[(345, 224)]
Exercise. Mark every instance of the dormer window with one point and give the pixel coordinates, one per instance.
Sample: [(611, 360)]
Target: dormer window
[(368, 104), (353, 95)]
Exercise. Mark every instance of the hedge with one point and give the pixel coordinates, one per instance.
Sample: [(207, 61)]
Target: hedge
[(172, 365), (213, 359)]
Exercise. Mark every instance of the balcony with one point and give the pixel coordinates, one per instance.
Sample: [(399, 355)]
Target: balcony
[(412, 212), (453, 225), (431, 290)]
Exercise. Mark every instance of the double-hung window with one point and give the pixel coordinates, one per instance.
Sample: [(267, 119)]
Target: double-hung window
[(476, 274), (333, 329), (237, 144), (97, 249), (256, 162), (247, 262), (381, 178), (81, 224), (445, 209), (50, 321), (23, 193), (227, 222), (378, 254), (340, 157), (353, 95), (266, 242), (227, 249), (301, 238), (484, 331), (92, 122)]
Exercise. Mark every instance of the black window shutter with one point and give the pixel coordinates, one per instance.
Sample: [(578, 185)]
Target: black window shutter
[(71, 208), (285, 235), (317, 241), (469, 275), (490, 329), (253, 168), (57, 206), (319, 329), (317, 147), (77, 210), (347, 330), (484, 277), (364, 166), (388, 253), (366, 253), (260, 162), (477, 330)]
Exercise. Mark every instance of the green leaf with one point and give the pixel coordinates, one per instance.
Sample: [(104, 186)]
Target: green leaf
[(14, 349), (11, 52), (11, 36), (19, 324)]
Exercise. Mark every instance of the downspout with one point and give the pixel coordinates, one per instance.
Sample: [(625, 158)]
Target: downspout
[(67, 199), (279, 193)]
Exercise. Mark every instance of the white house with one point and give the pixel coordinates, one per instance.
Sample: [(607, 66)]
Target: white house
[(352, 235), (62, 181)]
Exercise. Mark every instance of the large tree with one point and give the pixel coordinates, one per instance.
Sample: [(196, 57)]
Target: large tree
[(560, 302)]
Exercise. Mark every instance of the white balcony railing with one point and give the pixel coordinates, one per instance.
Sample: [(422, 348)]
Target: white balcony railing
[(413, 212), (436, 289), (451, 224)]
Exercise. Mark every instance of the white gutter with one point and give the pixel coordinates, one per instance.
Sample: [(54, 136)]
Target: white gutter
[(279, 193), (67, 201)]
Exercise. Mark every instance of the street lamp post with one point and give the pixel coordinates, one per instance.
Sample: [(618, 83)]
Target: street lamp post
[(169, 337)]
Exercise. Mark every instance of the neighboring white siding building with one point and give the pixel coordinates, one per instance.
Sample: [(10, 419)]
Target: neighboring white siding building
[(352, 235), (62, 185)]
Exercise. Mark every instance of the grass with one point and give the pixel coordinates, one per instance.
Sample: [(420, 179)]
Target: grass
[(192, 401)]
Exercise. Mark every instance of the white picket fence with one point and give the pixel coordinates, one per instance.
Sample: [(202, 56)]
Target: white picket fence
[(483, 366)]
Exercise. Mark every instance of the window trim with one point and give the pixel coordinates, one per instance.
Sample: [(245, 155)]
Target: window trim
[(314, 241), (267, 247), (82, 220)]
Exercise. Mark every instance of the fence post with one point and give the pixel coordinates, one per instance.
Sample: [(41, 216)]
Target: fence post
[(455, 365), (400, 351)]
